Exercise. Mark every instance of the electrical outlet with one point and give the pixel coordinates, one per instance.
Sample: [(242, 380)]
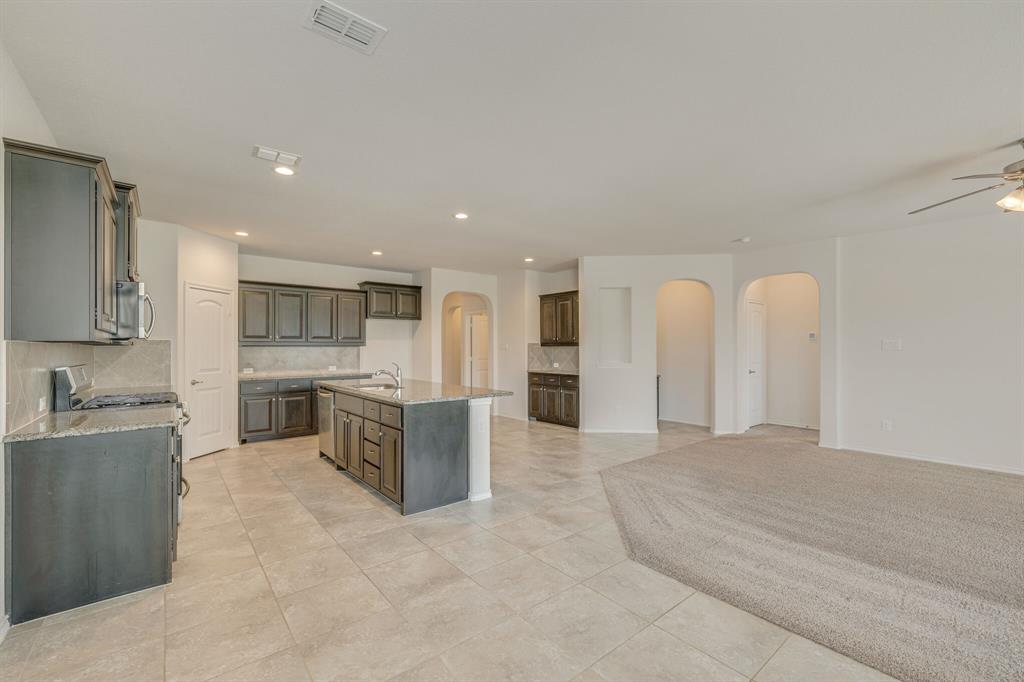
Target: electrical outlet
[(893, 344), (555, 365), (887, 425), (332, 368), (42, 404), (247, 370)]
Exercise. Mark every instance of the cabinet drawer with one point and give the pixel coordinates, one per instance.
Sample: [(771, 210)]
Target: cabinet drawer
[(391, 415), (371, 475), (536, 378), (371, 453), (372, 432), (552, 379), (294, 385), (349, 403), (371, 410), (257, 387), (570, 381)]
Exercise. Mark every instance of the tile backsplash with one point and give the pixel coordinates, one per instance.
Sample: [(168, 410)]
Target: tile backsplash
[(30, 366), (540, 357), (144, 363), (272, 359)]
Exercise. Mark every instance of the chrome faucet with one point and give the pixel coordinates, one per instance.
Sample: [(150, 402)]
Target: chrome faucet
[(396, 375)]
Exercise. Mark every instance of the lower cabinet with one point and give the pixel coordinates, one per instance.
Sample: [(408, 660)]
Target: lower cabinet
[(276, 409), (554, 398), (257, 416), (295, 414), (369, 450)]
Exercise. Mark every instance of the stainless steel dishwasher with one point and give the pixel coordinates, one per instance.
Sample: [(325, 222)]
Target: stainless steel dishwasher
[(325, 421)]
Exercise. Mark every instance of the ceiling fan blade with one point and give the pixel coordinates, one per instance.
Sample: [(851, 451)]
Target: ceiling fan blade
[(977, 191), (982, 175)]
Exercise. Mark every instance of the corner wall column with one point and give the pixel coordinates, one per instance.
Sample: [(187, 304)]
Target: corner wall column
[(479, 449)]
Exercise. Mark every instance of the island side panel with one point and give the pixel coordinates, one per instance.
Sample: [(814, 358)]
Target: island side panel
[(436, 459)]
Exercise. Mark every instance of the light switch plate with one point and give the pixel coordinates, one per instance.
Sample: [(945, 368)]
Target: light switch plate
[(332, 368), (893, 344), (42, 404)]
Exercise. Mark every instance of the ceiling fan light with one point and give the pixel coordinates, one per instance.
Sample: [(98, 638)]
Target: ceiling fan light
[(1014, 201)]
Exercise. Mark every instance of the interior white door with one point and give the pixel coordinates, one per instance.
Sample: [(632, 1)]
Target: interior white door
[(479, 351), (209, 376), (756, 386)]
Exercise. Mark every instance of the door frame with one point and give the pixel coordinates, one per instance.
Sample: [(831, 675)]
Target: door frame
[(231, 352), (467, 347), (764, 360)]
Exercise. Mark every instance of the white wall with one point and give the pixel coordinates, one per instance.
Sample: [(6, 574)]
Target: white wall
[(623, 398), (954, 293), (792, 361), (456, 309), (387, 341), (685, 343), (511, 331), (20, 119)]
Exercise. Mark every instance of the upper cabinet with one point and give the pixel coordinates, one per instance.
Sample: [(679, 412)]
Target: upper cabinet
[(560, 319), (270, 315), (392, 301), (60, 245), (127, 214)]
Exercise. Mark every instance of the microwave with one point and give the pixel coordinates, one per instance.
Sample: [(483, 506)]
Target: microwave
[(132, 302)]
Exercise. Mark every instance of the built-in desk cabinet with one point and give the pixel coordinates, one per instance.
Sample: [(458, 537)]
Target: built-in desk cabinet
[(554, 398), (271, 315), (560, 319)]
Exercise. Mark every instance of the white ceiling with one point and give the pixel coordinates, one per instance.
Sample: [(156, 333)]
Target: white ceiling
[(562, 128)]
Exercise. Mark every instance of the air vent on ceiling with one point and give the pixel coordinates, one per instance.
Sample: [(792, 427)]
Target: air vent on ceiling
[(343, 26)]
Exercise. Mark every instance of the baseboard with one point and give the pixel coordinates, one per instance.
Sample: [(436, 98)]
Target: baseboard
[(921, 458), (795, 425), (5, 627), (683, 421), (638, 431)]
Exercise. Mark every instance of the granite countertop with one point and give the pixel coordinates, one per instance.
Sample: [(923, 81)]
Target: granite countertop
[(302, 374), (90, 422), (564, 372), (414, 391)]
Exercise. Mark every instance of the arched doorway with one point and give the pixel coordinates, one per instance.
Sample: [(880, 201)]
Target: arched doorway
[(780, 352), (684, 313), (466, 340)]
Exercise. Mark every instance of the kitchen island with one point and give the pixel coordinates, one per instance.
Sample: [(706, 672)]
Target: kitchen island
[(423, 445)]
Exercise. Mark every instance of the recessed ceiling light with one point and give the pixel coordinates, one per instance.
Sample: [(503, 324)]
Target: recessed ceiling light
[(741, 240), (377, 253), (461, 216), (242, 234), (283, 170), (527, 260)]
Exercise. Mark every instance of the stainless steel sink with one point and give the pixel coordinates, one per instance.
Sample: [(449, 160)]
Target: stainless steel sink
[(378, 387)]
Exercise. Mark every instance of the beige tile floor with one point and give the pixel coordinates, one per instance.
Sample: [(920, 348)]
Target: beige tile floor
[(289, 571)]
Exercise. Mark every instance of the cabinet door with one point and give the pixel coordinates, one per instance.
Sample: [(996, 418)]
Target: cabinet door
[(352, 319), (576, 317), (391, 463), (569, 406), (407, 305), (563, 317), (289, 316), (548, 326), (258, 416), (354, 445), (295, 413), (322, 320), (255, 315), (381, 302), (106, 265), (549, 405), (341, 438), (536, 401)]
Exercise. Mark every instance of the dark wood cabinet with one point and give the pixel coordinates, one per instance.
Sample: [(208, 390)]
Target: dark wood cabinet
[(391, 463), (128, 212), (295, 413), (257, 416), (559, 319), (352, 318), (289, 316), (255, 314), (354, 444), (271, 314), (60, 245), (322, 318), (554, 398), (392, 301)]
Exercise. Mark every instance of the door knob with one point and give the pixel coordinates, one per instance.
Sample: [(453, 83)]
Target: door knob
[(195, 381), (751, 371)]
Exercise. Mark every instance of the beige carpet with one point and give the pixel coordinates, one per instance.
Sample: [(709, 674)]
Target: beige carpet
[(914, 568)]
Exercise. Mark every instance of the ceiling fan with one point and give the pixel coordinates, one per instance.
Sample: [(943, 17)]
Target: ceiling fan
[(1014, 173)]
